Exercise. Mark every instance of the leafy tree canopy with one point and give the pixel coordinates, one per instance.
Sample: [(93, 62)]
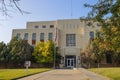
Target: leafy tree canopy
[(44, 51), (20, 50), (107, 13)]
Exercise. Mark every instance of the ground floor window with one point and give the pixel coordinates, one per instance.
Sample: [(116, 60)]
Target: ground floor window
[(108, 58)]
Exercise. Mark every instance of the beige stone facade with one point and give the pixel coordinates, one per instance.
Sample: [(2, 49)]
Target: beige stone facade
[(72, 36)]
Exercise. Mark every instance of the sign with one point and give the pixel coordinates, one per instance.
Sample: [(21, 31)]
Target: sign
[(27, 63)]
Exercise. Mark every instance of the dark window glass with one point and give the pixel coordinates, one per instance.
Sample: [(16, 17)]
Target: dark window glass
[(42, 37), (51, 26), (50, 36), (26, 36), (34, 36), (108, 58), (36, 26), (91, 35), (18, 36), (43, 26), (33, 39)]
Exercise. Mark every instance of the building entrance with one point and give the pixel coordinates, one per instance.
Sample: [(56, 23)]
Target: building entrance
[(70, 61)]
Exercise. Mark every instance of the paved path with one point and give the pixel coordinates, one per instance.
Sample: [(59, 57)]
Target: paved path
[(65, 74)]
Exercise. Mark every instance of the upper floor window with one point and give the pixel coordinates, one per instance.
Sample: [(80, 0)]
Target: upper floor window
[(18, 36), (51, 26), (33, 39), (91, 35), (34, 36), (43, 26), (70, 40), (36, 26), (42, 37), (50, 36), (26, 36)]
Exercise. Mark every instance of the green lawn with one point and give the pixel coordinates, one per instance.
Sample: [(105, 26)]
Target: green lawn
[(8, 74), (112, 73)]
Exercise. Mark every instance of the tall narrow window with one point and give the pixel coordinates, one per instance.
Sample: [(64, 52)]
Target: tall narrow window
[(26, 37), (42, 37), (91, 35), (33, 38), (50, 36), (18, 36), (70, 40)]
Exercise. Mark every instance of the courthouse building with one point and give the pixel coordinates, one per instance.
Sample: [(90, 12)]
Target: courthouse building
[(71, 36)]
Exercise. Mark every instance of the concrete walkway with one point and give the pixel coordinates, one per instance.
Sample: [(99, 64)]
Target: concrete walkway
[(65, 74)]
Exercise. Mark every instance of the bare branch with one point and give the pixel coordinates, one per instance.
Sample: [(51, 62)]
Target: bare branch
[(15, 3), (8, 6)]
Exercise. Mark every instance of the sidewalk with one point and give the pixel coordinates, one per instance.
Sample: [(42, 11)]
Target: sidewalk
[(65, 74)]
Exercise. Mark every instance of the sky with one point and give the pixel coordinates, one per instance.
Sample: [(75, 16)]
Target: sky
[(41, 10)]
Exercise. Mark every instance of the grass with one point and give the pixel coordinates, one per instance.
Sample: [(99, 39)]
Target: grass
[(8, 74), (112, 73)]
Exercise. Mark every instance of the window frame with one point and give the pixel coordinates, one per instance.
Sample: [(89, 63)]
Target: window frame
[(42, 37), (70, 40)]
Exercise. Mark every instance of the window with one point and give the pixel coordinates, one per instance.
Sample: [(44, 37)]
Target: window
[(18, 36), (43, 26), (70, 40), (26, 36), (91, 35), (36, 26), (50, 36), (109, 58), (42, 37), (33, 38), (51, 26)]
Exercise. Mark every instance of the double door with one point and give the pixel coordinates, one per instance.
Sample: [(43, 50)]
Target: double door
[(70, 62)]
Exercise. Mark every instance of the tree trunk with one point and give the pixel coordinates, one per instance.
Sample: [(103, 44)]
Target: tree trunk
[(98, 65)]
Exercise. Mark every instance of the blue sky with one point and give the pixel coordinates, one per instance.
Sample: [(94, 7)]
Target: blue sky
[(41, 10)]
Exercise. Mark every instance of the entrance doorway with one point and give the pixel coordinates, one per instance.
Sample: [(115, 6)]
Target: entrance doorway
[(70, 61)]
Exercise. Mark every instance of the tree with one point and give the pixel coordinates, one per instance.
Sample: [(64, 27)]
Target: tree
[(44, 53), (107, 13), (95, 51), (20, 50), (87, 56), (3, 52)]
